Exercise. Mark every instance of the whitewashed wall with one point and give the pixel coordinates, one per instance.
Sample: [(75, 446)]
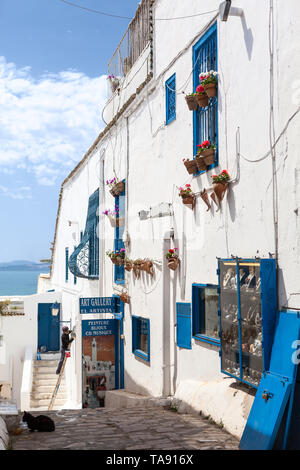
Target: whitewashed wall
[(243, 227)]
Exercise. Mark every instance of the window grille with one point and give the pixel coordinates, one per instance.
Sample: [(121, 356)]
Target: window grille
[(84, 261), (206, 119), (171, 99), (67, 264), (119, 231)]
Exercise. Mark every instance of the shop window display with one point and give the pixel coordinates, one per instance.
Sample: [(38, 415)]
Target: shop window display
[(247, 287)]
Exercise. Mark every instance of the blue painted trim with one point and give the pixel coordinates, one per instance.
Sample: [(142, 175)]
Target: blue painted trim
[(196, 52), (66, 264), (239, 317), (171, 82), (137, 352), (196, 327)]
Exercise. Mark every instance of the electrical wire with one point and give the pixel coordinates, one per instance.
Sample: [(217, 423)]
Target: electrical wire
[(131, 18)]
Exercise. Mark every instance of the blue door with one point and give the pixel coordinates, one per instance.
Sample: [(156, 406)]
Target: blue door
[(48, 328)]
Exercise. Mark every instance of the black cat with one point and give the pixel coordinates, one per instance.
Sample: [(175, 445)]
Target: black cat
[(40, 423)]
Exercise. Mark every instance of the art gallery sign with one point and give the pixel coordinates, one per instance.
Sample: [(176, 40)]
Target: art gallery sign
[(100, 305)]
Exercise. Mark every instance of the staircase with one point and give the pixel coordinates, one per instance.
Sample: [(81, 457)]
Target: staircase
[(44, 380)]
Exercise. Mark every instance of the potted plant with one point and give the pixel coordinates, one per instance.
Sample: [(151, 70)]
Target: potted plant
[(191, 101), (190, 165), (117, 257), (172, 257), (114, 82), (114, 218), (201, 96), (187, 195), (116, 186), (220, 183), (207, 151), (209, 81)]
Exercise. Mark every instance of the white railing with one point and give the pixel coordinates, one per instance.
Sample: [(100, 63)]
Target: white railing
[(27, 379)]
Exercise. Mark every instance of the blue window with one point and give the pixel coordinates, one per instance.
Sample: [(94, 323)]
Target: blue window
[(75, 278), (67, 265), (171, 99), (119, 231), (141, 337), (205, 59), (184, 328), (205, 309)]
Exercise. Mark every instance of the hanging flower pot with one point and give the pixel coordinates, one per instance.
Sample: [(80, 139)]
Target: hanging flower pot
[(187, 195), (201, 97), (210, 83), (125, 298), (173, 264), (147, 266), (191, 101), (116, 187), (190, 165), (114, 82), (137, 267), (200, 162), (128, 265), (204, 196), (172, 258), (117, 257), (207, 151), (220, 183)]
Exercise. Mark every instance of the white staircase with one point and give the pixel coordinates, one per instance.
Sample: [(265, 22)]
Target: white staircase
[(44, 381)]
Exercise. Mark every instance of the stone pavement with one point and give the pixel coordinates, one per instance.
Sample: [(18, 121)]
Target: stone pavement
[(137, 428)]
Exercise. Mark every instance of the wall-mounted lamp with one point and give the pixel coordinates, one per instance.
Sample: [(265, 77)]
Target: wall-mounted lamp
[(225, 10), (55, 309)]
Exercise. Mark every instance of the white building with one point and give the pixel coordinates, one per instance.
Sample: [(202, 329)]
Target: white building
[(253, 121)]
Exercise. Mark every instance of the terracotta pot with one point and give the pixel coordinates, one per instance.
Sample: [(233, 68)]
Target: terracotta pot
[(117, 189), (202, 99), (204, 196), (116, 221), (125, 298), (189, 200), (147, 266), (211, 90), (209, 156), (117, 261), (191, 166), (200, 162), (173, 263), (137, 268), (191, 102), (128, 265), (219, 190)]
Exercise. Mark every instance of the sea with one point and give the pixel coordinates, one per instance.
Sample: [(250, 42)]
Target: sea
[(19, 282)]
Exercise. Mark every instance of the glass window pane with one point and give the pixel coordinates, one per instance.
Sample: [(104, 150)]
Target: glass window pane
[(209, 320), (142, 335), (229, 317), (251, 332)]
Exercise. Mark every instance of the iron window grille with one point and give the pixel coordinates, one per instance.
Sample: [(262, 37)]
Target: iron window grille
[(170, 99), (205, 59)]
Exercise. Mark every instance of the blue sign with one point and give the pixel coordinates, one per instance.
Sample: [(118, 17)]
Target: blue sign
[(98, 305), (98, 327)]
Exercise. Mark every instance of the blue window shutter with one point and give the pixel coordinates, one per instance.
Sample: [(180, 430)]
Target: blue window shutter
[(184, 325), (171, 99), (67, 265), (120, 270)]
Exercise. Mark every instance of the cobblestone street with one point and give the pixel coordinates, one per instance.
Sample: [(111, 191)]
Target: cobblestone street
[(126, 429)]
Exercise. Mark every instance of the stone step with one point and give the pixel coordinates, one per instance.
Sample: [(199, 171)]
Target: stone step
[(44, 370), (38, 388), (45, 363), (46, 402), (47, 396)]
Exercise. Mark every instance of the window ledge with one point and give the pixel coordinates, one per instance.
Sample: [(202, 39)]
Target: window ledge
[(141, 355), (207, 339)]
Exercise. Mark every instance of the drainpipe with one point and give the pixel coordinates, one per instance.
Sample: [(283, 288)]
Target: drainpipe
[(166, 336), (101, 224)]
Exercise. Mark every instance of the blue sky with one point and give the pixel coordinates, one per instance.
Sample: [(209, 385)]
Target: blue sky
[(53, 67)]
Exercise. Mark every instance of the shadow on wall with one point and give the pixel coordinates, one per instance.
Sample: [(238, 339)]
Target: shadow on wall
[(248, 36)]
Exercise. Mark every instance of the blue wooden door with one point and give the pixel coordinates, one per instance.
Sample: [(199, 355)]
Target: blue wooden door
[(48, 329)]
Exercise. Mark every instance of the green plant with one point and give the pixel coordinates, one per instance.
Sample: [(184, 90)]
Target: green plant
[(223, 177)]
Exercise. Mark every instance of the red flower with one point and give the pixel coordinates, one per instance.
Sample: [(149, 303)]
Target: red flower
[(200, 89), (171, 251), (225, 171), (188, 185)]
